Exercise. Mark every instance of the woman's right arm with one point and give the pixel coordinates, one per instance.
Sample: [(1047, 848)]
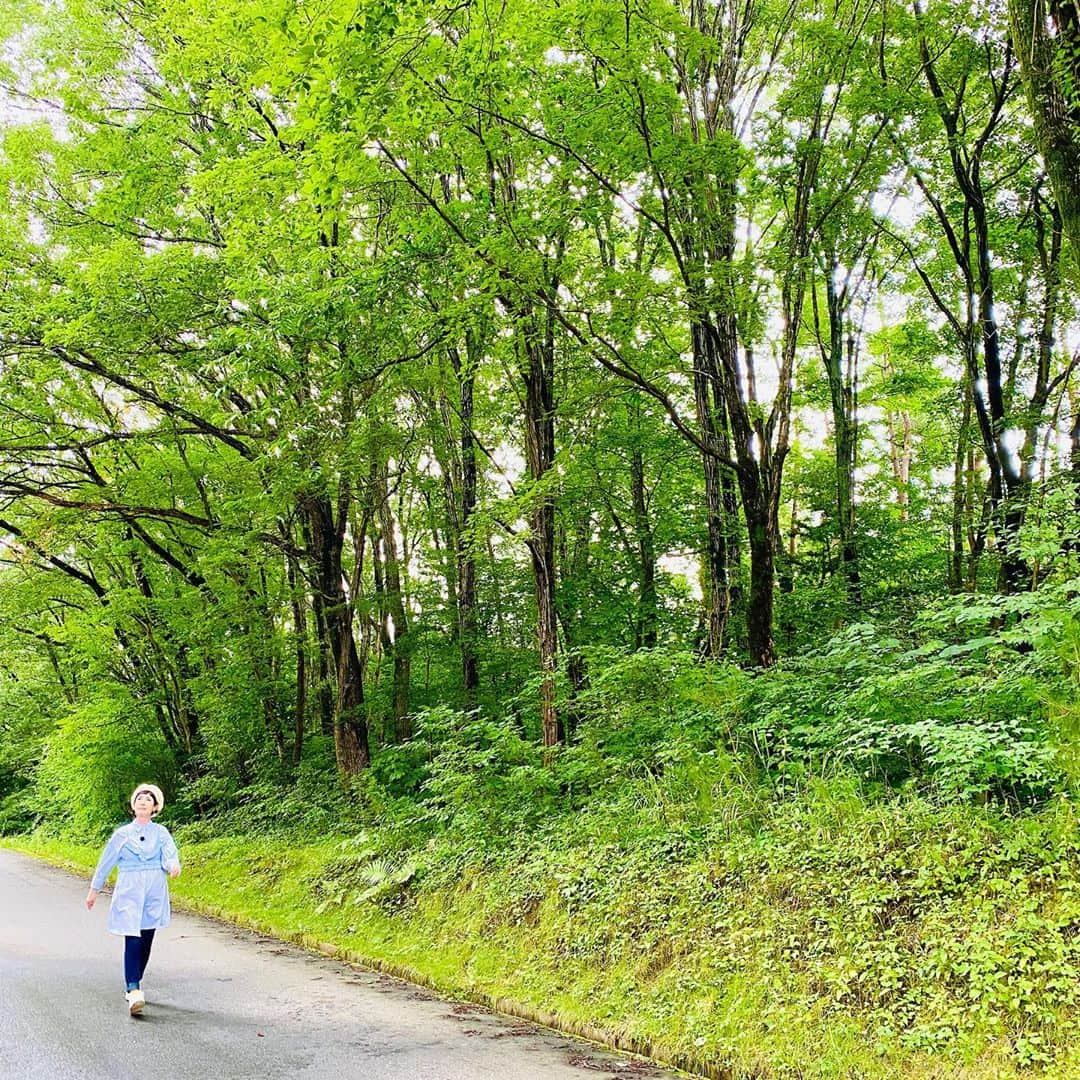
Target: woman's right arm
[(109, 858)]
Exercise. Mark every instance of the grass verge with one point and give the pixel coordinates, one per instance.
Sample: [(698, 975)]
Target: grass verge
[(837, 939)]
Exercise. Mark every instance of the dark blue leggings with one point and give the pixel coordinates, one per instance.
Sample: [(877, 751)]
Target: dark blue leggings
[(136, 955)]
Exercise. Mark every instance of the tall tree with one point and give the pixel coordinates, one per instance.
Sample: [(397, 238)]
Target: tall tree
[(1046, 36)]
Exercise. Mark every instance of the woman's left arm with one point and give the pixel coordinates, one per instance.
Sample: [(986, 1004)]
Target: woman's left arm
[(170, 858)]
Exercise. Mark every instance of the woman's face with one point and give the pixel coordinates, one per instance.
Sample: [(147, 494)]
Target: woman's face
[(144, 803)]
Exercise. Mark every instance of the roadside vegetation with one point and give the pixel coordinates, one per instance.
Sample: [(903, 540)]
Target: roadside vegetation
[(733, 874), (575, 502)]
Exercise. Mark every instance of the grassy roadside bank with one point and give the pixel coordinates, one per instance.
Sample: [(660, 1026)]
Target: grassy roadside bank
[(842, 940), (228, 897)]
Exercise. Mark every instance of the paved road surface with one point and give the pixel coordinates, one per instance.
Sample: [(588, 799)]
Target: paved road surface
[(225, 1004)]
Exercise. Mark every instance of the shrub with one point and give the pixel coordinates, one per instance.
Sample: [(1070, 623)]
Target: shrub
[(97, 754), (958, 719)]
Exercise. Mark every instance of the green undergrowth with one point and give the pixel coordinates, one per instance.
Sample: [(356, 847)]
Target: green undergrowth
[(836, 937), (863, 863)]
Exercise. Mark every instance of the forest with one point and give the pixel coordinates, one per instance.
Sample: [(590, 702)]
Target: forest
[(611, 465)]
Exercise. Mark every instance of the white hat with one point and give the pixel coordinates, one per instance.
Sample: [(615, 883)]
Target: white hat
[(151, 789)]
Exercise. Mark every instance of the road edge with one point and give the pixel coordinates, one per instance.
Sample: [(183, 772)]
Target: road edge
[(553, 1022)]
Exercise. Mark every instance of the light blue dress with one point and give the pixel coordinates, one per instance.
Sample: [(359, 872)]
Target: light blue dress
[(145, 854)]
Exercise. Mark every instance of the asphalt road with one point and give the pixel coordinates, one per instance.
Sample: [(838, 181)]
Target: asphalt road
[(224, 1004)]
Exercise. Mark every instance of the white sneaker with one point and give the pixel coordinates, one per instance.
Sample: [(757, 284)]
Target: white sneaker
[(136, 999)]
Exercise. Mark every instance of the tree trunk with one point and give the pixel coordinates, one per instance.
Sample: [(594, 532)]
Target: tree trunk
[(300, 632), (398, 627), (323, 650), (646, 623), (959, 500), (1013, 486), (466, 561), (168, 670), (977, 528), (901, 449), (979, 332), (538, 371), (1046, 34), (841, 394), (1074, 451), (326, 543), (712, 423), (759, 615)]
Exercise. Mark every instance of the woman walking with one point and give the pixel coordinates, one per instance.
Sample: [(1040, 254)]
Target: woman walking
[(145, 854)]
